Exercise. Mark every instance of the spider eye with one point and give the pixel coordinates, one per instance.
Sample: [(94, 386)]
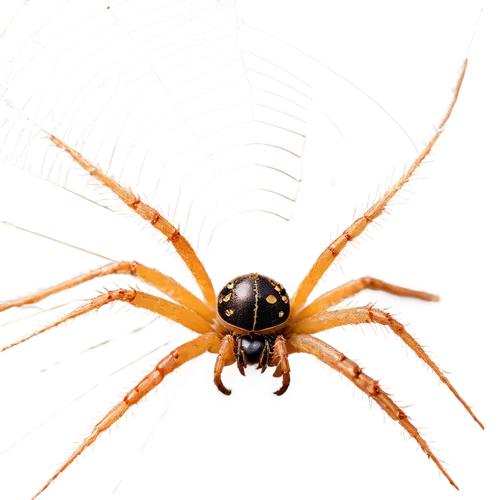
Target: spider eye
[(253, 302)]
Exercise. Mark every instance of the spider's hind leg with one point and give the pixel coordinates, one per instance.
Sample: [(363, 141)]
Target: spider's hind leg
[(339, 362), (179, 356)]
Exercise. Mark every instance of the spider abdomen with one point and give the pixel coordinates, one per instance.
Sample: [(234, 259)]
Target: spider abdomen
[(253, 303)]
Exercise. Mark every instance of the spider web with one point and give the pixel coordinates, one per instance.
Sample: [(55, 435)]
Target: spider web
[(204, 116)]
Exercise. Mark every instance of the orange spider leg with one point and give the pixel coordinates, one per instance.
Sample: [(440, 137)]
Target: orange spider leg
[(404, 335), (90, 305), (174, 360), (339, 362), (152, 277), (337, 295), (280, 360), (142, 300), (358, 226), (172, 311), (367, 314), (225, 357), (181, 245)]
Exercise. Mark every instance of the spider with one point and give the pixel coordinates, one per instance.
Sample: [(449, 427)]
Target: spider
[(252, 321)]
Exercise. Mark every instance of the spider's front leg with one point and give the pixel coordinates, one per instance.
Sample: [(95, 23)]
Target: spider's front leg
[(339, 362), (149, 214), (328, 256), (174, 360)]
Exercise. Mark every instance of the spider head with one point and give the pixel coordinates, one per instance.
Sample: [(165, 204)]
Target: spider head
[(254, 303), (253, 354)]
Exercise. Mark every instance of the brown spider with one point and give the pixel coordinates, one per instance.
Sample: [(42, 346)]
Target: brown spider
[(252, 321)]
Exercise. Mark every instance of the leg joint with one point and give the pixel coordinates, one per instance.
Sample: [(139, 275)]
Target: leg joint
[(134, 203), (357, 371), (332, 251), (155, 219), (174, 236)]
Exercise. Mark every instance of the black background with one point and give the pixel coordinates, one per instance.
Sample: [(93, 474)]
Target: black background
[(312, 441)]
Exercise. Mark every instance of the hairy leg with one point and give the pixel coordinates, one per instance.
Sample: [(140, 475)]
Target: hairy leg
[(337, 295), (181, 245), (157, 305), (174, 360), (280, 360), (152, 277), (339, 362), (174, 312), (401, 331), (89, 306), (358, 226), (367, 314), (224, 358)]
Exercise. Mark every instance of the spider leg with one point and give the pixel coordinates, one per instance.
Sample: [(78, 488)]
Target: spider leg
[(174, 360), (337, 295), (152, 277), (172, 311), (358, 226), (162, 417), (280, 360), (181, 245), (90, 305), (401, 331), (367, 314), (224, 358), (158, 305), (339, 362)]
